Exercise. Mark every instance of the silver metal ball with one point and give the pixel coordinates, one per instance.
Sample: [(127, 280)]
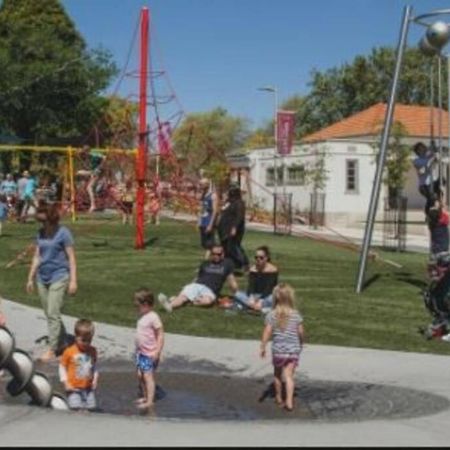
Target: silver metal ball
[(426, 48), (438, 34)]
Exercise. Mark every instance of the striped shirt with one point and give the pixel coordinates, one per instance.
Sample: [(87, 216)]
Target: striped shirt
[(285, 341)]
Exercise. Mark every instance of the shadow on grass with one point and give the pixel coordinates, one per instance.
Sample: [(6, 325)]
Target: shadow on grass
[(371, 280), (151, 241), (408, 278)]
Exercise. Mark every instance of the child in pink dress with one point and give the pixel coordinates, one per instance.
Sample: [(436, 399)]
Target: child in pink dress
[(149, 345)]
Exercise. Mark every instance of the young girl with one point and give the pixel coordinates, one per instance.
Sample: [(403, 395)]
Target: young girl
[(285, 325), (149, 344)]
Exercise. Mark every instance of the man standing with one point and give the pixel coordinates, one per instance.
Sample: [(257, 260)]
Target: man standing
[(208, 215), (231, 228), (21, 184)]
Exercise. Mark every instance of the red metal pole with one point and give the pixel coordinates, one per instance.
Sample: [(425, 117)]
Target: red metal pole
[(141, 159)]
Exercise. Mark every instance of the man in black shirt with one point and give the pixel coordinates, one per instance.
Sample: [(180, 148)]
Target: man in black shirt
[(231, 228), (212, 275)]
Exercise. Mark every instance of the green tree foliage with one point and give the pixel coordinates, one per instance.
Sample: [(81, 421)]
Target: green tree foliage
[(203, 140), (119, 124), (50, 83), (260, 138), (398, 160), (340, 92)]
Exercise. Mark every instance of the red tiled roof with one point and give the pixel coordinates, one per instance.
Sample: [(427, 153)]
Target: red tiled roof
[(416, 120)]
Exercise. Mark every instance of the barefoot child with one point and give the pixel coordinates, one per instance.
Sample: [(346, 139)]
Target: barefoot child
[(77, 368), (149, 344), (285, 325)]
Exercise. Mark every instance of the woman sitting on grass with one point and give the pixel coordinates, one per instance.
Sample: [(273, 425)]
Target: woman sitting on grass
[(262, 278)]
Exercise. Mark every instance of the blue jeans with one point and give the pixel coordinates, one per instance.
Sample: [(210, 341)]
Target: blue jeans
[(243, 298)]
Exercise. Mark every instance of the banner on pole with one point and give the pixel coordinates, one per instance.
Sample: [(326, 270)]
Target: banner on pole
[(164, 139), (285, 131)]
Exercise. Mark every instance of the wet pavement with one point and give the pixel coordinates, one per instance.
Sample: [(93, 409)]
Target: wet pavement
[(217, 392), (209, 397)]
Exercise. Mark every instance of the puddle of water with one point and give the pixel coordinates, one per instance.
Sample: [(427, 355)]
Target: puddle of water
[(203, 396)]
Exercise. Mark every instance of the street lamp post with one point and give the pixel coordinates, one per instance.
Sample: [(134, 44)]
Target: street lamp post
[(274, 90)]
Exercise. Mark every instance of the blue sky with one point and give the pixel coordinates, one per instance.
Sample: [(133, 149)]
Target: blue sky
[(218, 52)]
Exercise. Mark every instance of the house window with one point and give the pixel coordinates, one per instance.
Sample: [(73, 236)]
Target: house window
[(296, 175), (351, 177), (270, 178)]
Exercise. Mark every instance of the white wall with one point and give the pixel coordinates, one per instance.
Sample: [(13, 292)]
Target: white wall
[(340, 204)]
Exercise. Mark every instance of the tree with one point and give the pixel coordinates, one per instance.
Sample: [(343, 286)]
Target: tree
[(118, 126), (203, 140), (50, 83), (398, 161), (340, 92), (260, 138)]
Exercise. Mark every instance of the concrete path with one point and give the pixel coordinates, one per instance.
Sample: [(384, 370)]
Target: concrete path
[(417, 241), (31, 426)]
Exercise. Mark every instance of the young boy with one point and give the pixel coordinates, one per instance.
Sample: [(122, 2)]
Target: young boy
[(149, 345), (77, 368)]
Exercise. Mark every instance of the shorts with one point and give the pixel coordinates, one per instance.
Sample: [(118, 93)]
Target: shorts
[(280, 361), (82, 399), (207, 240), (145, 363), (195, 290)]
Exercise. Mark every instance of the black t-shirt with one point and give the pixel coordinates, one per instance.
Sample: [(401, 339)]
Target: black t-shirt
[(214, 275), (262, 283)]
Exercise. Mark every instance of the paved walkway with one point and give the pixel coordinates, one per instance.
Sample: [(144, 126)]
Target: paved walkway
[(417, 241), (31, 426)]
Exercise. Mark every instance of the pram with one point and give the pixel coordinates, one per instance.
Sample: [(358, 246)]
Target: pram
[(437, 296)]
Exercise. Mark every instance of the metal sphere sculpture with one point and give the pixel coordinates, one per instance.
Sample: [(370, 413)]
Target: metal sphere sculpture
[(24, 378), (438, 34), (426, 48)]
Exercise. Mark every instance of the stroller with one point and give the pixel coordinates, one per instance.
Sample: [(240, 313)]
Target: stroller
[(437, 296)]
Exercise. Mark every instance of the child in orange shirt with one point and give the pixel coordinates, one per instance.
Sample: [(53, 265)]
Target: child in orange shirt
[(77, 368)]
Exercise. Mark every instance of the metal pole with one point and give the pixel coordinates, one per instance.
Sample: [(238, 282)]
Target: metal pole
[(72, 185), (448, 132), (275, 152), (141, 159), (440, 171), (383, 151)]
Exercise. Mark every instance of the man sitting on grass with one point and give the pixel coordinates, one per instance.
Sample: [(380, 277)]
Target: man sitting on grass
[(212, 274)]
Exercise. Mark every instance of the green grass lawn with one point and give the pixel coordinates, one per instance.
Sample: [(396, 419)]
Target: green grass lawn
[(386, 316)]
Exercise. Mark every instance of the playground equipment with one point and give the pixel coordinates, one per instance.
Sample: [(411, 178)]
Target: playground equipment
[(24, 378), (432, 43)]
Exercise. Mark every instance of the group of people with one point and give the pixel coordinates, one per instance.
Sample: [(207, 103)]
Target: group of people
[(228, 220), (17, 197), (53, 271)]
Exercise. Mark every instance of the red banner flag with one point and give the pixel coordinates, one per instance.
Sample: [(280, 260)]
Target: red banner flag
[(285, 131), (164, 139)]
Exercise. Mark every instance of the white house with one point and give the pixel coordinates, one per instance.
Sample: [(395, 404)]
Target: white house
[(348, 152)]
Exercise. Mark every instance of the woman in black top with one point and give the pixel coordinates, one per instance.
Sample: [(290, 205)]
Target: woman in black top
[(262, 278), (231, 228)]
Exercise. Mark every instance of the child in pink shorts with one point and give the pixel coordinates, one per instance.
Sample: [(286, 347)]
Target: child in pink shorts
[(284, 325)]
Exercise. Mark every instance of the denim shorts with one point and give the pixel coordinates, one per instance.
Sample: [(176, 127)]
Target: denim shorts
[(145, 363), (195, 290)]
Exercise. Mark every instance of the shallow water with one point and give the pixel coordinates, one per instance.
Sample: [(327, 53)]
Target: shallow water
[(207, 396)]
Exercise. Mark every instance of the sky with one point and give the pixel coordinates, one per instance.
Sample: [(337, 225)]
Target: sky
[(219, 52)]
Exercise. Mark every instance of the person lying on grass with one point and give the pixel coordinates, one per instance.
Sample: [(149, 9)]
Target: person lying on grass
[(212, 275)]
